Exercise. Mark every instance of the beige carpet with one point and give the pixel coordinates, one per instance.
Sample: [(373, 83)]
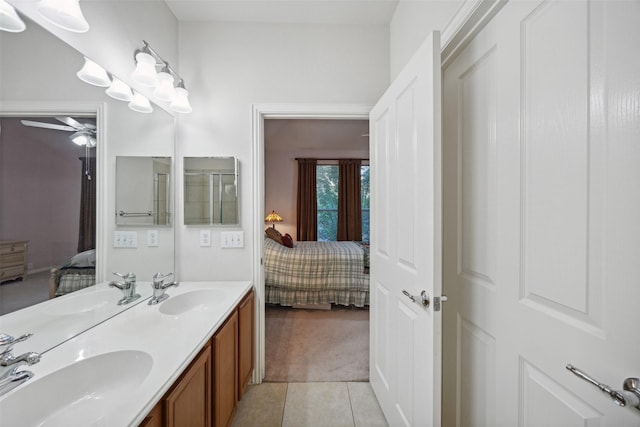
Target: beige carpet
[(316, 345)]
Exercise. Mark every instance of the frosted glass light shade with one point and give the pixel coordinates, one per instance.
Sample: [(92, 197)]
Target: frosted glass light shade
[(80, 138), (164, 88), (93, 74), (65, 14), (140, 104), (119, 90), (180, 101), (145, 72), (9, 19)]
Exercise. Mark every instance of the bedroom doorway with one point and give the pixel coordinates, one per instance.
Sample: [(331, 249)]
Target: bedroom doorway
[(269, 121), (308, 339)]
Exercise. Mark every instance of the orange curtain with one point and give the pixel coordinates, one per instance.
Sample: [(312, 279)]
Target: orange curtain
[(307, 214), (349, 203)]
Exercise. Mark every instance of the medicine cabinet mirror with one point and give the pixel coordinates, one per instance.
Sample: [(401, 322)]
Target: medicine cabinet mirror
[(211, 191), (143, 191)]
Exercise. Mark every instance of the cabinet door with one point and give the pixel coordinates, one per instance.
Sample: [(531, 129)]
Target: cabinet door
[(245, 342), (189, 401), (225, 372), (154, 419)]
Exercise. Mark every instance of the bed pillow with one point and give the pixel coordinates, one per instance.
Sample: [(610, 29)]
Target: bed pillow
[(287, 240), (274, 234)]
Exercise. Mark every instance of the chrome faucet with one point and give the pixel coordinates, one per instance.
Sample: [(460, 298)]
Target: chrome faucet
[(159, 287), (12, 377), (128, 287), (6, 356)]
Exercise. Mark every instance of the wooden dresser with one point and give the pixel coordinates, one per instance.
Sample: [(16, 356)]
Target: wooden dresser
[(13, 260)]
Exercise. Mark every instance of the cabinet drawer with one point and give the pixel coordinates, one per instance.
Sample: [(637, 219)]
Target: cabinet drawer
[(8, 272), (10, 260), (12, 248)]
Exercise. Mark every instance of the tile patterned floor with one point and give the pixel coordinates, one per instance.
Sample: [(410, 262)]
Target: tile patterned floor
[(327, 404)]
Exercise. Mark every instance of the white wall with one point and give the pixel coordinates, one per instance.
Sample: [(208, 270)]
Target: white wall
[(411, 22), (228, 67)]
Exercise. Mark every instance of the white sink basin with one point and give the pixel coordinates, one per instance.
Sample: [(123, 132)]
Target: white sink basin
[(198, 300), (85, 302), (79, 394)]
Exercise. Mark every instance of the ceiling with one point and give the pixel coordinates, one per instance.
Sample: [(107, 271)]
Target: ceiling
[(364, 12)]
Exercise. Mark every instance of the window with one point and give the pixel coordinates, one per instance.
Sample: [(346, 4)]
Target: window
[(327, 198)]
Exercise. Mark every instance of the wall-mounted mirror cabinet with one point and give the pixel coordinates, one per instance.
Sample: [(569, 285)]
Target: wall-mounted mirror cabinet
[(143, 191), (211, 191)]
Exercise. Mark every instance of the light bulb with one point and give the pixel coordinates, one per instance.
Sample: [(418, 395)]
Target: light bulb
[(93, 74), (65, 14), (119, 90), (140, 104), (145, 72), (9, 19)]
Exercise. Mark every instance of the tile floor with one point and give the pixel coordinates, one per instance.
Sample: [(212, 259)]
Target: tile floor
[(330, 404)]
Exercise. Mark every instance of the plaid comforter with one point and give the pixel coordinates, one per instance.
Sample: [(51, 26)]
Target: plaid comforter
[(315, 273)]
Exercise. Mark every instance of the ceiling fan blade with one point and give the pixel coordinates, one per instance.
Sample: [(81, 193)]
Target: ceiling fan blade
[(47, 125), (71, 122)]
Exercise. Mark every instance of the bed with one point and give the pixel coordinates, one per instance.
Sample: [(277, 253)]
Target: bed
[(78, 272), (313, 273)]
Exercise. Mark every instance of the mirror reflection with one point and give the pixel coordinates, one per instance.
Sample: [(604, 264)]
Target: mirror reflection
[(40, 220), (211, 191), (143, 190)]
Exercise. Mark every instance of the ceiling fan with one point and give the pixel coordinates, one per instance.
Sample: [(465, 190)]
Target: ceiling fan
[(84, 134)]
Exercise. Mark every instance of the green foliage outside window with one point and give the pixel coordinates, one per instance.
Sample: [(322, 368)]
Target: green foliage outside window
[(327, 197)]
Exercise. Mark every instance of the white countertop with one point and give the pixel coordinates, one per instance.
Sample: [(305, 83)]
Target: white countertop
[(172, 341)]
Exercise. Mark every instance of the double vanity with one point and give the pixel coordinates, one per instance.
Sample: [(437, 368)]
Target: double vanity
[(183, 361)]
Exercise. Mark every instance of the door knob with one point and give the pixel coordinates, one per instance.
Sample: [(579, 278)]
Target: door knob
[(628, 396)]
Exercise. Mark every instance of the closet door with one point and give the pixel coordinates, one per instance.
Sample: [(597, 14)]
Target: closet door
[(541, 153)]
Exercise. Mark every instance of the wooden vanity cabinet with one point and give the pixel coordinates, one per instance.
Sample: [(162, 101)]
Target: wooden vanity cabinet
[(188, 401), (208, 392), (225, 369), (245, 342)]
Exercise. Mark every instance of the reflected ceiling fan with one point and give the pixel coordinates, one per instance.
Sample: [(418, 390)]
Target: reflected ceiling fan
[(84, 134)]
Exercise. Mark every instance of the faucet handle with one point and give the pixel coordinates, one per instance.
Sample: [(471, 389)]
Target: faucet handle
[(8, 340), (158, 278), (128, 277)]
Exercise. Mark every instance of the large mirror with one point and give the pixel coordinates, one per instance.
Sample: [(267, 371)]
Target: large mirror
[(143, 190), (43, 217), (211, 191)]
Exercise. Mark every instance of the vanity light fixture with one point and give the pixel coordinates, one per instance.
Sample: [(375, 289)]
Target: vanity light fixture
[(164, 89), (9, 19), (65, 14), (140, 104), (147, 63), (119, 90), (94, 74), (180, 101)]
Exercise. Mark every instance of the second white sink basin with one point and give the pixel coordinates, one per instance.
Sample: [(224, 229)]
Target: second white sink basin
[(197, 300), (81, 394)]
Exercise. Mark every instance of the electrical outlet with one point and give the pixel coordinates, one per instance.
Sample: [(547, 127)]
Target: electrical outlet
[(125, 239), (152, 238), (232, 239), (205, 238)]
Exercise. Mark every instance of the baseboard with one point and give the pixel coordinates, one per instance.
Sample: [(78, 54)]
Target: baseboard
[(313, 306)]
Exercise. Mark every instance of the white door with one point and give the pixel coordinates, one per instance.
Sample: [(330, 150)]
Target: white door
[(406, 242), (542, 216)]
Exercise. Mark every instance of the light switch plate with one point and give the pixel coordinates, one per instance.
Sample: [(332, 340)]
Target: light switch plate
[(152, 238), (232, 239), (205, 238), (125, 239)]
